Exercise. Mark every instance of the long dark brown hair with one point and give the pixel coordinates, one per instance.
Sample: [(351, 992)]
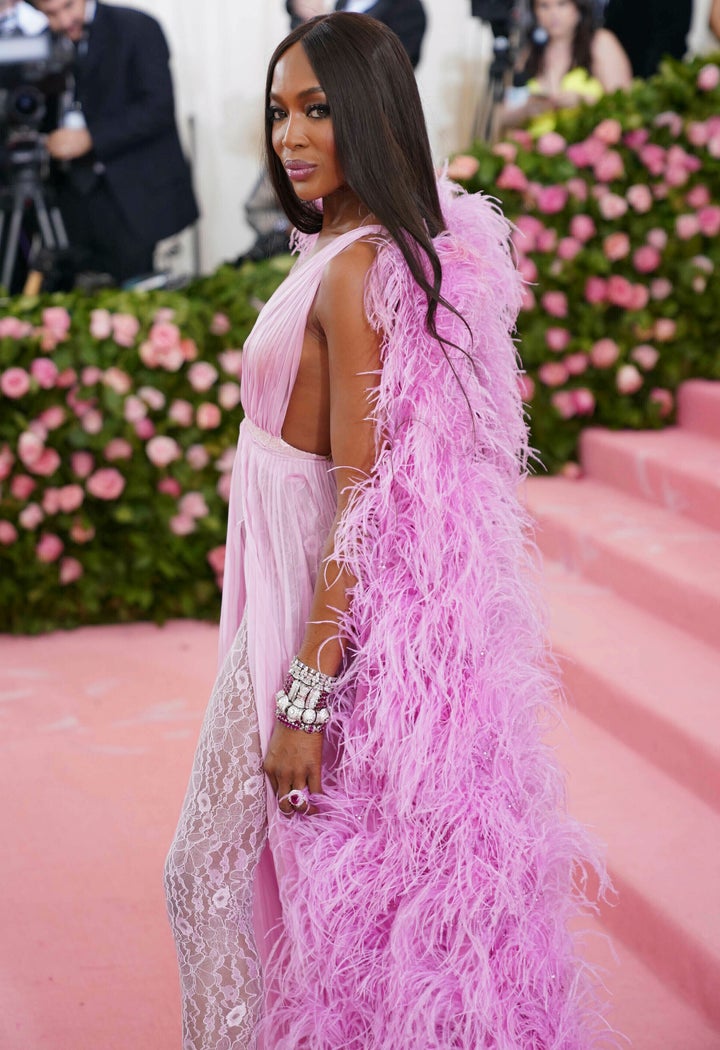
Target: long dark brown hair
[(581, 47), (381, 138)]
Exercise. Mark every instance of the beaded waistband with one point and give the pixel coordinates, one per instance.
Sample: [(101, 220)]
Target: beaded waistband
[(276, 444)]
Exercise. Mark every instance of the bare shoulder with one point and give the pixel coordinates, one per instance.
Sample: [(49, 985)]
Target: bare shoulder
[(346, 272), (604, 42)]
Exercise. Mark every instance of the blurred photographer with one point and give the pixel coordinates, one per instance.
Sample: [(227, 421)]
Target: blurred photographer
[(123, 181)]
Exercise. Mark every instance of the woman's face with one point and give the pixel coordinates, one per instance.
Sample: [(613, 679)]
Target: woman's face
[(302, 130), (559, 18)]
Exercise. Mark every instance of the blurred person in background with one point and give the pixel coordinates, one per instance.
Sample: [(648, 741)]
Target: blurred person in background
[(569, 62), (301, 10), (649, 30), (406, 18), (704, 36)]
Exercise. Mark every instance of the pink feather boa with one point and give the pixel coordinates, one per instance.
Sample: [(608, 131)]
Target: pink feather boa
[(430, 898)]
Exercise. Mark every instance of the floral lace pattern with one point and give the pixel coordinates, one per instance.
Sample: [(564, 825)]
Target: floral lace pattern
[(210, 868)]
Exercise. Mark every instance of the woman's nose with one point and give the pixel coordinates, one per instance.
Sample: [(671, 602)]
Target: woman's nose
[(293, 135)]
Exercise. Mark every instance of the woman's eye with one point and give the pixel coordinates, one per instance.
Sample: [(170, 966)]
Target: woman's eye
[(318, 110), (275, 114)]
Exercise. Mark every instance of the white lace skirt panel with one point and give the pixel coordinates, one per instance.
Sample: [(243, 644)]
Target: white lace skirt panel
[(210, 869)]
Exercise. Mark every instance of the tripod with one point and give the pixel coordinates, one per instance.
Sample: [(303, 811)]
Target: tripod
[(502, 61), (26, 188)]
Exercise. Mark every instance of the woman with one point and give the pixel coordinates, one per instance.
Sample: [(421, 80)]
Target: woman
[(569, 63), (378, 643)]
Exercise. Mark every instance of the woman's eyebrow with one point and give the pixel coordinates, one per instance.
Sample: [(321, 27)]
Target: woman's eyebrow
[(301, 94)]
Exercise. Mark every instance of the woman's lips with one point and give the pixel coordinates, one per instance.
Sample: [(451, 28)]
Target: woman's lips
[(299, 170)]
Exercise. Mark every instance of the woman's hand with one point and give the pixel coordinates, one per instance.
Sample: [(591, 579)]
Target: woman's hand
[(294, 760)]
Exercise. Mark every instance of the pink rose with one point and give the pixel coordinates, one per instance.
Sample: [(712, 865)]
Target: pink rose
[(51, 501), (8, 533), (578, 155), (70, 497), (528, 270), (80, 533), (223, 488), (56, 321), (547, 241), (697, 133), (582, 227), (6, 461), (208, 416), (37, 427), (526, 386), (557, 339), (229, 396), (709, 220), (22, 486), (193, 505), (44, 372), (125, 328), (612, 206), (563, 403), (616, 246), (660, 288), (70, 570), (118, 448), (227, 460), (522, 137), (687, 226), (181, 412), (231, 362), (49, 547), (577, 188), (461, 167), (134, 409), (82, 464), (31, 516), (584, 401), (698, 196), (595, 290), (609, 132), (149, 355), (506, 150), (628, 380), (672, 121), (665, 329), (153, 398), (653, 157), (162, 450), (182, 525), (699, 284), (197, 457), (67, 377), (171, 359), (639, 198), (202, 376), (664, 399), (553, 373), (46, 464), (701, 262), (527, 298), (512, 178), (604, 353), (714, 146), (14, 382), (216, 559), (552, 199), (709, 77), (676, 175), (568, 248), (646, 259), (555, 304), (14, 328), (220, 324), (551, 144), (117, 380), (645, 355), (106, 483), (169, 487), (92, 422), (164, 335), (145, 429), (609, 167), (637, 138), (576, 364), (660, 191), (658, 238), (165, 314), (189, 349), (30, 448), (91, 375), (100, 324), (639, 297), (619, 291)]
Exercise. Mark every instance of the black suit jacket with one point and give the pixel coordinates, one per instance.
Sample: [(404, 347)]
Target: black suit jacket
[(406, 18), (126, 92), (649, 30)]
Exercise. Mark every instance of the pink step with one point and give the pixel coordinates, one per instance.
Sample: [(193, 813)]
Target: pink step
[(648, 683), (663, 563), (699, 407), (674, 468), (663, 857)]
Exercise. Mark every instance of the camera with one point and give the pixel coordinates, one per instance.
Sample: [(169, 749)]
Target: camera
[(34, 73)]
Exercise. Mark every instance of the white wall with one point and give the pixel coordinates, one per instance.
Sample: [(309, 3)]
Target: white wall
[(220, 50)]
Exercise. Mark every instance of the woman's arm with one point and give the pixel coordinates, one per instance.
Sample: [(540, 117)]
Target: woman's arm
[(610, 64), (715, 18), (353, 356)]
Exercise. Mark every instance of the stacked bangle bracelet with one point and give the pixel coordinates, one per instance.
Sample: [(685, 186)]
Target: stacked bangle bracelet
[(302, 703)]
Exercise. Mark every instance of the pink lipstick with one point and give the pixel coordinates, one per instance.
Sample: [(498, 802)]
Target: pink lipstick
[(299, 170)]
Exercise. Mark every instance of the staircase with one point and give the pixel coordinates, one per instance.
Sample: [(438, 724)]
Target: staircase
[(632, 574)]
